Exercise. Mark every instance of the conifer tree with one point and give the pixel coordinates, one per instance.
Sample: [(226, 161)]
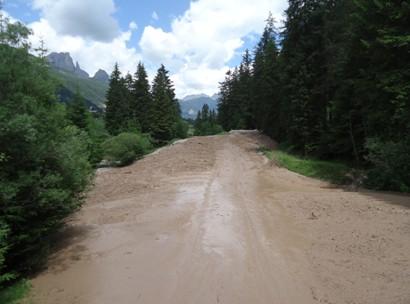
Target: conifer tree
[(117, 113), (142, 101), (165, 110)]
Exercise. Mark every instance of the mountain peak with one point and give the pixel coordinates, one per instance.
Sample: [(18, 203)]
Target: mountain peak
[(102, 76), (191, 104), (194, 96), (63, 61)]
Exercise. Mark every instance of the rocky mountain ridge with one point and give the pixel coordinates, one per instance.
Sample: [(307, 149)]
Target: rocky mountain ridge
[(64, 62)]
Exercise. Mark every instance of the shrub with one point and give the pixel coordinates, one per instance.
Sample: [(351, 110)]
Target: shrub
[(124, 148), (182, 128), (207, 128), (97, 136), (390, 165), (44, 165)]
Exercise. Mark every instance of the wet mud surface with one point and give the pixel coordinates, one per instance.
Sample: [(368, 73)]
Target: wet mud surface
[(210, 220)]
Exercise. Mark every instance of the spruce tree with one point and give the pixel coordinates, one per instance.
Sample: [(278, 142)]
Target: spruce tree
[(142, 101), (165, 110), (264, 82), (117, 112)]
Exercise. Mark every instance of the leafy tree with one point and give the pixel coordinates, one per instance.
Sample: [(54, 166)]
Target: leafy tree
[(124, 148), (44, 167)]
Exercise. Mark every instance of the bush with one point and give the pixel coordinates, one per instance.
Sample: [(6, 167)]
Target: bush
[(390, 165), (207, 128), (182, 128), (97, 136), (124, 148), (44, 160)]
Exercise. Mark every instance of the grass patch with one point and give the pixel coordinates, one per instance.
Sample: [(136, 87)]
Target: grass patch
[(15, 294), (332, 171)]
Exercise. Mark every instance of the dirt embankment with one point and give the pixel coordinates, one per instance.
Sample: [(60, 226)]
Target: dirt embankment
[(210, 220)]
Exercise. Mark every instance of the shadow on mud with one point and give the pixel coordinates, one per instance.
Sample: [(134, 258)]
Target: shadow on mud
[(65, 248)]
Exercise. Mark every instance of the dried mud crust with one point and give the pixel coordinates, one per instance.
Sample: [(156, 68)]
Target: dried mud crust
[(211, 220)]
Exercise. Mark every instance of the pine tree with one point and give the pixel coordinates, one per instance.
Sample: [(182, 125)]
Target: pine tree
[(165, 110), (205, 122), (264, 82), (142, 101), (117, 113)]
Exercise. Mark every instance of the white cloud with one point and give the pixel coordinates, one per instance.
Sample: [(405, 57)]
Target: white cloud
[(133, 26), (92, 55), (204, 39), (82, 18), (155, 15), (196, 50)]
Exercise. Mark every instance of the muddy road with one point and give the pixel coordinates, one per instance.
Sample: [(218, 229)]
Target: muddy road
[(210, 220)]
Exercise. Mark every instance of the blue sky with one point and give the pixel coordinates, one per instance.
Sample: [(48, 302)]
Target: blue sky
[(198, 41)]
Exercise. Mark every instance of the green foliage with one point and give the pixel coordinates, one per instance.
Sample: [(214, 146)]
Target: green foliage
[(44, 164), (97, 135), (124, 148), (339, 78), (206, 123), (131, 107), (141, 102), (118, 112), (165, 113), (332, 171), (89, 88), (77, 111), (390, 165), (15, 293), (182, 129)]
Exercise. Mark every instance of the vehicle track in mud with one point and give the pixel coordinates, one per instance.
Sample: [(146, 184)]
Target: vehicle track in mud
[(211, 220)]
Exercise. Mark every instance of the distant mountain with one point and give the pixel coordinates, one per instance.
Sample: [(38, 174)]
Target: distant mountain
[(63, 61), (216, 96), (72, 77), (190, 105), (102, 76)]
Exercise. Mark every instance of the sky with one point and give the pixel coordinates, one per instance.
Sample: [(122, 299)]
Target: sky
[(197, 41)]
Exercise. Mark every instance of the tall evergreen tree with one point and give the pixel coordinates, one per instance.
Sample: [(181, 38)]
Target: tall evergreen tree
[(142, 101), (117, 112), (264, 82), (165, 109)]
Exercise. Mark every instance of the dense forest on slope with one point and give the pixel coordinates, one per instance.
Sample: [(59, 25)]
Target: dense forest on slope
[(333, 84), (92, 90), (133, 105)]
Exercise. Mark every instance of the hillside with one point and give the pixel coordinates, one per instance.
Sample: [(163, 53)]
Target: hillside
[(190, 105), (71, 78)]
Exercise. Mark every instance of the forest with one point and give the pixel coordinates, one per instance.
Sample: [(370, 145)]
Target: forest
[(332, 84)]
